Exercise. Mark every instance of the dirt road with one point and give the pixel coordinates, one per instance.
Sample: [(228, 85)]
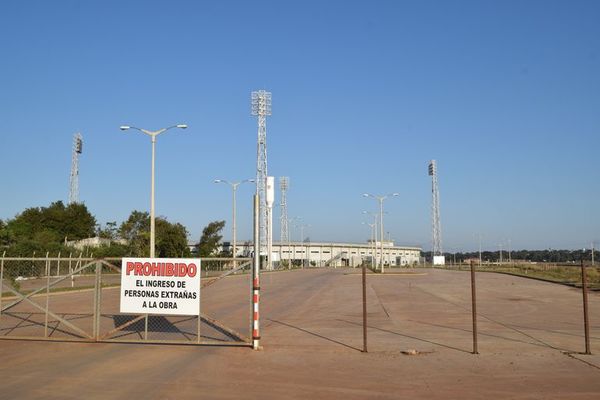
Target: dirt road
[(530, 333)]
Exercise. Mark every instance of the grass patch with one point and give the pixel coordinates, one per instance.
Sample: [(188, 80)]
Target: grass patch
[(569, 275)]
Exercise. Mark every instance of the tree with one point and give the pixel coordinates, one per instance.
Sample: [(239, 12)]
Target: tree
[(53, 224), (136, 231), (210, 239), (110, 231), (171, 238), (5, 235)]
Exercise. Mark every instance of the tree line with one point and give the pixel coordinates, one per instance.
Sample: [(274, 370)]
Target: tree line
[(38, 230), (548, 255)]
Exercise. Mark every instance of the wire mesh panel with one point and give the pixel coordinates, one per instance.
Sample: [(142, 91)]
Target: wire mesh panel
[(215, 325), (79, 299), (47, 298)]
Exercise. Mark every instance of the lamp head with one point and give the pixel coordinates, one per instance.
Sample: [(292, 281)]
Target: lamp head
[(218, 181), (395, 194), (124, 127), (366, 194), (181, 126)]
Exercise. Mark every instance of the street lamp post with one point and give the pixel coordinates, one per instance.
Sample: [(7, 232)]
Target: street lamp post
[(290, 220), (381, 199), (302, 226), (234, 186), (374, 239), (153, 135), (373, 227)]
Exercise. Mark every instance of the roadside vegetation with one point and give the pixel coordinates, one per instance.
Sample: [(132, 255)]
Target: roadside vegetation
[(569, 274), (55, 229)]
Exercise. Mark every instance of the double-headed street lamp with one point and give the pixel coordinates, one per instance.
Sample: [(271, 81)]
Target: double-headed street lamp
[(234, 186), (373, 227), (153, 135), (381, 199), (374, 241), (302, 226), (289, 243)]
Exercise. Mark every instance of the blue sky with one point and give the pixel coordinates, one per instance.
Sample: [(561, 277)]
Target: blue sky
[(504, 94)]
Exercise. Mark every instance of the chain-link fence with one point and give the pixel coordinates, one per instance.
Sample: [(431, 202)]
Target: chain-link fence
[(79, 299)]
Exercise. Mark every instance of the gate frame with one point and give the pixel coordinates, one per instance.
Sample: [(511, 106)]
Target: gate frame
[(96, 335)]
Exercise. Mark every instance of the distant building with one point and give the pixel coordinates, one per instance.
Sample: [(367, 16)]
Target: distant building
[(93, 242), (324, 254)]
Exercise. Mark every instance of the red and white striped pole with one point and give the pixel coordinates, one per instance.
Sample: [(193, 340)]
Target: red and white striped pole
[(256, 278), (255, 318)]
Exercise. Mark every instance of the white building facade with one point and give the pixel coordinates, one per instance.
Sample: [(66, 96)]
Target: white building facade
[(326, 254)]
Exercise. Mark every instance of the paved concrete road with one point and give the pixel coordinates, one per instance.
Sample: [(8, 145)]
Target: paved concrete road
[(529, 335)]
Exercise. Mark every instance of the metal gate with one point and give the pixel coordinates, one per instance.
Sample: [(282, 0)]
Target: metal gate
[(77, 299)]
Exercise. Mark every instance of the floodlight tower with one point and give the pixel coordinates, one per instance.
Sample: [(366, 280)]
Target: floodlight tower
[(284, 184), (261, 107), (77, 150), (435, 211)]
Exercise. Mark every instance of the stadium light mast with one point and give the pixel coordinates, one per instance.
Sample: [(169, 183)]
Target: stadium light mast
[(436, 226), (153, 135), (284, 184), (261, 107), (380, 199), (74, 179)]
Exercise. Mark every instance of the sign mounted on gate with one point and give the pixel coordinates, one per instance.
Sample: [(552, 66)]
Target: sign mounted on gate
[(168, 286)]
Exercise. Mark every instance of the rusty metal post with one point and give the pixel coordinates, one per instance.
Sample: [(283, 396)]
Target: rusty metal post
[(586, 322), (364, 306), (474, 308)]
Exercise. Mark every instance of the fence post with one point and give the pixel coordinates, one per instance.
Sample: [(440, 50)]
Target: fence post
[(256, 278), (364, 305), (474, 308), (71, 269), (58, 265), (586, 322), (47, 294), (97, 300), (1, 280)]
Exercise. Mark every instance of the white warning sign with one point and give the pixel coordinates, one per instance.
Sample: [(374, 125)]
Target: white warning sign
[(160, 286)]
